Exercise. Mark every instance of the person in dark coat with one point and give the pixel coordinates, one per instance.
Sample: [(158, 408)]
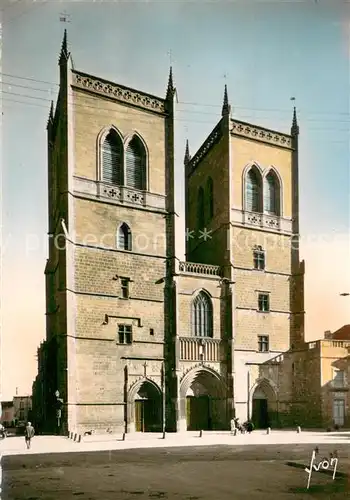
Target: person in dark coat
[(249, 426)]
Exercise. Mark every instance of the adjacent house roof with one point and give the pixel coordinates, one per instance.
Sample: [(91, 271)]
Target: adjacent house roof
[(342, 334), (6, 404)]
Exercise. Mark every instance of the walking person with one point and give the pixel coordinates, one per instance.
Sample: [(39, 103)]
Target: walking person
[(29, 434)]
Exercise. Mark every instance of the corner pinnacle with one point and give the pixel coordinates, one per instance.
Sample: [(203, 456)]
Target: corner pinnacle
[(226, 108), (50, 119), (170, 89), (187, 154), (295, 126), (64, 49)]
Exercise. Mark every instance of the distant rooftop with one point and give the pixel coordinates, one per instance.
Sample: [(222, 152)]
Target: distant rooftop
[(342, 334)]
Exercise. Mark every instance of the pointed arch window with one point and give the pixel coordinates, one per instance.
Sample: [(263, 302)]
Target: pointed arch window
[(124, 241), (112, 158), (253, 190), (200, 208), (202, 315), (210, 198), (271, 194), (135, 164)]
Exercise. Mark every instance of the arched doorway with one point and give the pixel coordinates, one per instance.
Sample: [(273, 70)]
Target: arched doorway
[(264, 405), (146, 407), (203, 401)]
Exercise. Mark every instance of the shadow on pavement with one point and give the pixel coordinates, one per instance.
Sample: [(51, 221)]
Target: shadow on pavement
[(339, 486)]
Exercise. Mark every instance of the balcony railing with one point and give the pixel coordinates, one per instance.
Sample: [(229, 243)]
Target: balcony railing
[(329, 343), (340, 343), (200, 349), (195, 268)]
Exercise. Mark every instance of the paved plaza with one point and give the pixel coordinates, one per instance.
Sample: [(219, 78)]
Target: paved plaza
[(57, 444), (180, 467)]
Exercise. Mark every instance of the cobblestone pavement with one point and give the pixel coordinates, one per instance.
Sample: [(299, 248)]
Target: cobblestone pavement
[(218, 472)]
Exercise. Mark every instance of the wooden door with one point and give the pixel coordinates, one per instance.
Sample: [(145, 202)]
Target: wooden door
[(260, 413), (152, 416), (198, 413), (139, 416)]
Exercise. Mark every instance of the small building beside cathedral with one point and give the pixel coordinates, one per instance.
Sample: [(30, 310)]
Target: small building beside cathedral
[(138, 340), (318, 384)]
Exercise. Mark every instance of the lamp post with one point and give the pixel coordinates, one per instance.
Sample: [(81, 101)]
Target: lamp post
[(59, 404), (163, 400)]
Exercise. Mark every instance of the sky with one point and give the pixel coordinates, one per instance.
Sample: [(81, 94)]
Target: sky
[(266, 53)]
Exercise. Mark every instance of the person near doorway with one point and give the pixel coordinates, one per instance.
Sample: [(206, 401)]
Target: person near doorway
[(239, 426), (249, 426), (29, 434)]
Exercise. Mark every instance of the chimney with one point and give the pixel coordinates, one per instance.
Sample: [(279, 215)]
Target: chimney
[(327, 334)]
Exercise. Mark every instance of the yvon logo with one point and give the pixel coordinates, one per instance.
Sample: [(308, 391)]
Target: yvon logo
[(325, 464)]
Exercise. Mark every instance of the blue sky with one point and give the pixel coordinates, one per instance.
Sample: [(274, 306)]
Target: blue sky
[(265, 52)]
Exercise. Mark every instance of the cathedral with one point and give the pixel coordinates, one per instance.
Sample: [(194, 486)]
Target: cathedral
[(138, 340)]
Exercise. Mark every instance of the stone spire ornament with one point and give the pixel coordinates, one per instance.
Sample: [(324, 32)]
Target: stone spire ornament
[(187, 158), (64, 49), (295, 126), (226, 108), (170, 89), (50, 120)]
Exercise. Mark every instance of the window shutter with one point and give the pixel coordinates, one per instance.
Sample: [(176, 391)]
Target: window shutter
[(124, 237), (270, 194), (112, 160), (253, 192), (135, 165), (121, 239)]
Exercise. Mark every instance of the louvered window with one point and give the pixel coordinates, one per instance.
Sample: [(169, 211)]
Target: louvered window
[(124, 237), (112, 159), (200, 208), (202, 316), (210, 198), (253, 191), (271, 194), (136, 164)]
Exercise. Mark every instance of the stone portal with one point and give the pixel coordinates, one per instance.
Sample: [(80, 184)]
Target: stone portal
[(203, 404), (264, 406), (145, 408)]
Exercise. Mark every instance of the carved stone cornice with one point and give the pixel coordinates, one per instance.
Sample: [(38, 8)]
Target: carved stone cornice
[(213, 138), (118, 92), (260, 134)]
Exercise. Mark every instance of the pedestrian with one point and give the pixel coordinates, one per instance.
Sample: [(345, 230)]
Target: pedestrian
[(29, 434), (250, 426)]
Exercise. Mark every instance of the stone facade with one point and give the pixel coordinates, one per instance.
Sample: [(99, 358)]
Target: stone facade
[(235, 148), (312, 383), (22, 406), (197, 340)]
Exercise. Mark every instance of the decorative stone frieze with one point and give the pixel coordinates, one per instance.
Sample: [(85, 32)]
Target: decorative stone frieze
[(260, 134), (118, 92)]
